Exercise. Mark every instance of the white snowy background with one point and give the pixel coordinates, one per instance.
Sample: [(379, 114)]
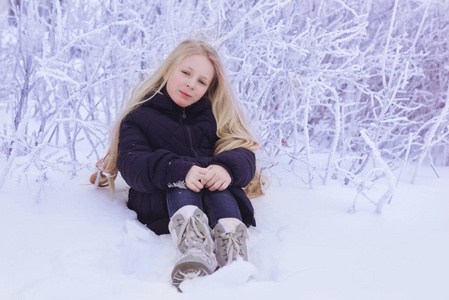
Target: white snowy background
[(349, 99)]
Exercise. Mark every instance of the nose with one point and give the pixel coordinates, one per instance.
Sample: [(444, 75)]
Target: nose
[(190, 84)]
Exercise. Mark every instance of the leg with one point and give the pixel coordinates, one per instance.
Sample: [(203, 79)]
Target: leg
[(222, 205), (191, 233), (229, 231), (178, 198)]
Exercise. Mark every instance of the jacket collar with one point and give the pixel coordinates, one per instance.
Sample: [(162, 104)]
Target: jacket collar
[(163, 102)]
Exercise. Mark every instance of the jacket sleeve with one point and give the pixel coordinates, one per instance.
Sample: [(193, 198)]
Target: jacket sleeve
[(240, 164), (143, 168)]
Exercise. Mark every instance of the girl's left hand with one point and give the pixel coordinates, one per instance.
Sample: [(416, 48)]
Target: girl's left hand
[(216, 178)]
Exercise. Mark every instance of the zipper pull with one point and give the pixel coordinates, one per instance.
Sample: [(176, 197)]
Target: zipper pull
[(184, 113)]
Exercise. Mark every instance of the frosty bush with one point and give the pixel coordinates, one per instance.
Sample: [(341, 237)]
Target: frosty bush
[(364, 83)]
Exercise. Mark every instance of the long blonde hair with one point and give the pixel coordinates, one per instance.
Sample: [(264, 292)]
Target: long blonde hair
[(232, 129)]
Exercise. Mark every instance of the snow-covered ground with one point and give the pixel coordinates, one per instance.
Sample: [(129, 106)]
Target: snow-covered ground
[(81, 243)]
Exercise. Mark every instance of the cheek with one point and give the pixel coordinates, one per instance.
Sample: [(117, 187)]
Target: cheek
[(175, 80), (203, 90)]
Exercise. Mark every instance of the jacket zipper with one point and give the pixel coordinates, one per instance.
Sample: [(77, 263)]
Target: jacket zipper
[(189, 134)]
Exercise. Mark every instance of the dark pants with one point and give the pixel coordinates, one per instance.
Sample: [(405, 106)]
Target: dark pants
[(217, 204)]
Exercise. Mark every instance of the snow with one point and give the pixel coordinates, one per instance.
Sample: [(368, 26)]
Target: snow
[(82, 243), (346, 89)]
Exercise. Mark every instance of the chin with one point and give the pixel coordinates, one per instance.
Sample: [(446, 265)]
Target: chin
[(182, 103)]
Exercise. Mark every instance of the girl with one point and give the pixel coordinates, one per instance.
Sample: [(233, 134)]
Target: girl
[(183, 147)]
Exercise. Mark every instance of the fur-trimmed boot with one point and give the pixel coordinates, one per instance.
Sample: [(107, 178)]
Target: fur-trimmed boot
[(190, 231), (230, 241)]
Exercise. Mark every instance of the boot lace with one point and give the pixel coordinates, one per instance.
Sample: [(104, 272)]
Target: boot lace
[(232, 242), (194, 235)]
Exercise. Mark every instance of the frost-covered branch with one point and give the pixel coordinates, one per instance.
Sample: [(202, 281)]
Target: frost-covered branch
[(391, 180), (311, 76)]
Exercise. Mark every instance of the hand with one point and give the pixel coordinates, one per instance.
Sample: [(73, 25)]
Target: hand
[(193, 178), (216, 178)]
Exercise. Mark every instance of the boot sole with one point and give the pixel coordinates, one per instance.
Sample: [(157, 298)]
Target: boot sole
[(188, 270)]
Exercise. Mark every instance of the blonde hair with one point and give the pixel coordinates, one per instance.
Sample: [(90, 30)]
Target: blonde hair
[(232, 129)]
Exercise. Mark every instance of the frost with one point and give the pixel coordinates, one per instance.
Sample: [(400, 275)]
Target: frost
[(179, 184), (311, 76)]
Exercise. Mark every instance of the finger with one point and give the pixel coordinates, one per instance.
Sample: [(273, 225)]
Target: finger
[(197, 169), (211, 181), (216, 185), (196, 177), (198, 185), (202, 171), (223, 186), (192, 187), (206, 178)]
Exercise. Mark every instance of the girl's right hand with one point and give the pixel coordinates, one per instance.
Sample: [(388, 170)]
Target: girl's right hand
[(193, 178)]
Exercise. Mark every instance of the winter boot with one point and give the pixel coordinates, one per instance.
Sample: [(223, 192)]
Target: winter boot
[(190, 231), (230, 241)]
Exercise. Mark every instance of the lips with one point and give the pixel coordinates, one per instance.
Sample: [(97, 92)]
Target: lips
[(185, 94)]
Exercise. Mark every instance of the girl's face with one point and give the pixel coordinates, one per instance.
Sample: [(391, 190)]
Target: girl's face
[(190, 80)]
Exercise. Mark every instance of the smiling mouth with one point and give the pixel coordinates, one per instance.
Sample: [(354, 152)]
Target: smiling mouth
[(184, 94)]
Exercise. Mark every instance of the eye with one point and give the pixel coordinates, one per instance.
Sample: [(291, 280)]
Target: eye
[(185, 72), (202, 82)]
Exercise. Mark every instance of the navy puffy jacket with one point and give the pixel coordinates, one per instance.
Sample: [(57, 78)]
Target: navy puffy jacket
[(158, 144)]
